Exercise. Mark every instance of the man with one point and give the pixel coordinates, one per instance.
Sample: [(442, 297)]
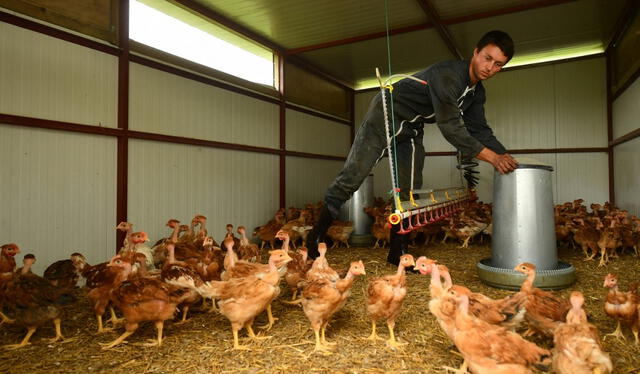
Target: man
[(454, 99)]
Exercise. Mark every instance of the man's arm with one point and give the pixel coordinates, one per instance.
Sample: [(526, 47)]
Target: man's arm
[(493, 152), (476, 123), (444, 87)]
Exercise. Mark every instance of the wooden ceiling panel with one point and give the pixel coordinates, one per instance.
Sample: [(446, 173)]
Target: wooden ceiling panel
[(297, 23)]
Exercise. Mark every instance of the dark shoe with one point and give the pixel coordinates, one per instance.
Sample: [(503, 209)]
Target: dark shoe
[(317, 234), (398, 244)]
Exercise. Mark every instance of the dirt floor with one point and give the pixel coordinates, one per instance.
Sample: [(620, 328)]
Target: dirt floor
[(203, 344)]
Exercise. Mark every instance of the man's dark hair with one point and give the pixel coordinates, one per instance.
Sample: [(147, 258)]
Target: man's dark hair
[(500, 39)]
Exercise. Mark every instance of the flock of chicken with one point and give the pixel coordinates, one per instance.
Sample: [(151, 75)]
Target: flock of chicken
[(604, 230), (151, 283)]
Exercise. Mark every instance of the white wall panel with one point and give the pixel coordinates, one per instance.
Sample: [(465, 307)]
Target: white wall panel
[(626, 111), (307, 133), (58, 194), (583, 176), (434, 141), (362, 101), (49, 78), (179, 181), (626, 158), (308, 179), (581, 103), (520, 108), (168, 104)]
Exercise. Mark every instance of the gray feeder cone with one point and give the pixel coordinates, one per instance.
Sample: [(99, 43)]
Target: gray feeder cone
[(524, 231), (352, 210)]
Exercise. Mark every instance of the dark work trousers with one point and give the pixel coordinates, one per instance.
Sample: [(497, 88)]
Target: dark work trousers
[(368, 148)]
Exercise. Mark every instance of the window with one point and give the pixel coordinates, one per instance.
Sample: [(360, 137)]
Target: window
[(171, 29)]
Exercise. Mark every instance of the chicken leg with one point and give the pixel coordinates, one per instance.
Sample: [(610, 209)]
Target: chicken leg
[(319, 346), (373, 335), (114, 318), (158, 341), (253, 335), (323, 340), (119, 340), (5, 319), (393, 343), (58, 336), (25, 340), (616, 333), (185, 310), (101, 328), (271, 318), (236, 344)]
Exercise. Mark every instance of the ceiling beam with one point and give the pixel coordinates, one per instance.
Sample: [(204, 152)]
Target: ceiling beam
[(428, 25), (432, 15), (626, 17), (210, 14)]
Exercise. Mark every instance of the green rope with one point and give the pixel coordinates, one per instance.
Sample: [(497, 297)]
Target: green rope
[(394, 172)]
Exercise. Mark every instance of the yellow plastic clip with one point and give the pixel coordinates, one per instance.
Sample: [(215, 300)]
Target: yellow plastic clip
[(399, 204), (389, 87), (433, 199), (446, 194), (411, 200)]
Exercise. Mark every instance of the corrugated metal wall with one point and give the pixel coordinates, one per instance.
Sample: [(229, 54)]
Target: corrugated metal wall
[(626, 111), (307, 133), (179, 181), (60, 188), (555, 106), (172, 105), (308, 179), (58, 194), (48, 78), (626, 156)]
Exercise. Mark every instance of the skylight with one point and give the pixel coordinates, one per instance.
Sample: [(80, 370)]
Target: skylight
[(161, 31)]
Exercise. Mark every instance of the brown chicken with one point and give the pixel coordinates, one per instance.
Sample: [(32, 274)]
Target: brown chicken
[(297, 268), (65, 273), (322, 298), (242, 269), (320, 268), (173, 270), (247, 250), (27, 262), (622, 306), (440, 305), (544, 310), (385, 297), (33, 301), (7, 260), (101, 280), (159, 251), (267, 233), (339, 233), (242, 299), (493, 349), (576, 344), (141, 299)]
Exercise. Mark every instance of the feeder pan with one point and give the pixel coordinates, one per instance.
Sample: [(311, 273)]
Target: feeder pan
[(524, 231)]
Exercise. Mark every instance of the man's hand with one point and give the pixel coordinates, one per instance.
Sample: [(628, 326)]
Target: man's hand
[(502, 163)]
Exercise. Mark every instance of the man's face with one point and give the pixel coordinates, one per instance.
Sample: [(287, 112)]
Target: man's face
[(486, 62)]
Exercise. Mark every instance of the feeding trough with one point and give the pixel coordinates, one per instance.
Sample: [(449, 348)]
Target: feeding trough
[(524, 231)]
